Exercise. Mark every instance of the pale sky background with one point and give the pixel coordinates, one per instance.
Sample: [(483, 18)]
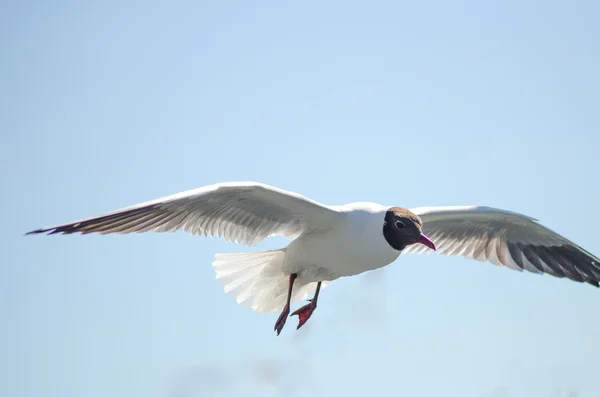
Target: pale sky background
[(105, 104)]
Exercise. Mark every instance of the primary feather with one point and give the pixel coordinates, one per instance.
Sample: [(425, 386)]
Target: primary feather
[(506, 238)]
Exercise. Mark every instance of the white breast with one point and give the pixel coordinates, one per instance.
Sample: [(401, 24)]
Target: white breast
[(354, 246)]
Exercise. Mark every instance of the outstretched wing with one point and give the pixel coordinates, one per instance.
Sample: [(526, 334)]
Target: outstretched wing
[(505, 238), (244, 212)]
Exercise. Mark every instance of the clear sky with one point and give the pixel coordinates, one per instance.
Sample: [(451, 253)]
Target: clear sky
[(105, 104)]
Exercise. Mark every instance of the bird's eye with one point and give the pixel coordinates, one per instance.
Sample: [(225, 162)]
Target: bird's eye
[(399, 225)]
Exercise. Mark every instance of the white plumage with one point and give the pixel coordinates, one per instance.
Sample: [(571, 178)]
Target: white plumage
[(334, 241)]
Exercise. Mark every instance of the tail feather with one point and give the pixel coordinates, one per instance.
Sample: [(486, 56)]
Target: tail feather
[(226, 264), (257, 279)]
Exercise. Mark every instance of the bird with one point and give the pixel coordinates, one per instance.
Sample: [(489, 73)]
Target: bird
[(333, 241)]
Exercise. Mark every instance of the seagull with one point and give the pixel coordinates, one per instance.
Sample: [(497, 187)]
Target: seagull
[(329, 242)]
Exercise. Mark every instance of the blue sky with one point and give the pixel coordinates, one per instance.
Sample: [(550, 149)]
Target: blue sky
[(107, 104)]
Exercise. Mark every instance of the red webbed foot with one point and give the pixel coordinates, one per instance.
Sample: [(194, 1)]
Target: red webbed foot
[(304, 313), (281, 320)]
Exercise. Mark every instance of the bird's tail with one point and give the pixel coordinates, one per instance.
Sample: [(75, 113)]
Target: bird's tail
[(257, 279)]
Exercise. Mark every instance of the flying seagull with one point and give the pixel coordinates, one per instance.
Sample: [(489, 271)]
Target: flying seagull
[(329, 242)]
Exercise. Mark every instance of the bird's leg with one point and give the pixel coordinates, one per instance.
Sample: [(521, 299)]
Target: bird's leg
[(286, 309), (306, 311)]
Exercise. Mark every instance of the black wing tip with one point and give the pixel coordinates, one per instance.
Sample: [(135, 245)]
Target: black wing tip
[(37, 231), (593, 282), (54, 230), (87, 226)]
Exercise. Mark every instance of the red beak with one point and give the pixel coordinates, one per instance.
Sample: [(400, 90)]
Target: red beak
[(426, 241)]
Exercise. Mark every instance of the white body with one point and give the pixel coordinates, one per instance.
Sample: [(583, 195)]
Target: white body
[(353, 245), (350, 245)]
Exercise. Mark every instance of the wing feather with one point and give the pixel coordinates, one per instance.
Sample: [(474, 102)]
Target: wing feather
[(505, 238), (244, 212)]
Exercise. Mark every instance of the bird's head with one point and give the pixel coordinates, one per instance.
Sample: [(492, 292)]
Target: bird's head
[(402, 228)]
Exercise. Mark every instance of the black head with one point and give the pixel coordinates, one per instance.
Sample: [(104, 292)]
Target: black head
[(401, 228)]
